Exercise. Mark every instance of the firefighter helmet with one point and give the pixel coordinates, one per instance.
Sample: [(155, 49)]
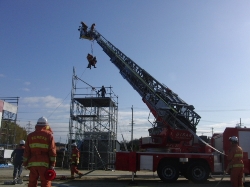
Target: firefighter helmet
[(74, 145), (42, 121), (22, 142), (233, 139), (50, 174)]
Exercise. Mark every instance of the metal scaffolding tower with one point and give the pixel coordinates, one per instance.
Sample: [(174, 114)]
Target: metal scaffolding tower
[(93, 125)]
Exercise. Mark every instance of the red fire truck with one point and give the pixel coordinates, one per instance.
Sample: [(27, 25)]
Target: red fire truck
[(172, 147)]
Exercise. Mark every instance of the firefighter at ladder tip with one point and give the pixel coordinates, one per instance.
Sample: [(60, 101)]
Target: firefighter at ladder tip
[(235, 163), (84, 29), (40, 154), (74, 161), (84, 32)]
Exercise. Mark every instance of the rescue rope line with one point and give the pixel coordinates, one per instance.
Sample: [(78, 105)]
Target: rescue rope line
[(64, 99), (58, 105), (195, 135), (93, 88), (92, 47), (224, 173), (220, 179)]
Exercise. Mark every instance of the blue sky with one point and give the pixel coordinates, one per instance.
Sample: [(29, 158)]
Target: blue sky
[(199, 49)]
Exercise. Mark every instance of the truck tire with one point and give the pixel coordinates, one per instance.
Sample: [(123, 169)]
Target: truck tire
[(168, 171), (198, 172)]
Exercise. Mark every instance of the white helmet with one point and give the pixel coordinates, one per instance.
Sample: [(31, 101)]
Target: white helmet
[(74, 145), (42, 121), (22, 142), (233, 139)]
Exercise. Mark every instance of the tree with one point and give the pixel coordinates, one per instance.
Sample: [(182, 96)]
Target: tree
[(11, 133)]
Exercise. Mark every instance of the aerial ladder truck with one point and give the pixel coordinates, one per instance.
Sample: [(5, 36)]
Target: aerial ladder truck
[(172, 147)]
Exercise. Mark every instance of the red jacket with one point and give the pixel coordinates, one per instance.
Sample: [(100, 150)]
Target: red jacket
[(235, 156), (75, 155), (40, 149)]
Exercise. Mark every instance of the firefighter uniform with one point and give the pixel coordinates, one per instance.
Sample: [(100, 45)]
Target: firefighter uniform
[(17, 156), (40, 153), (74, 161), (236, 166)]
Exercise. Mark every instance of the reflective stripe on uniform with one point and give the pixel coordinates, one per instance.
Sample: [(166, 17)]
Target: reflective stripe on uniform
[(52, 159), (238, 155), (73, 154), (39, 145), (30, 164), (237, 166), (24, 159)]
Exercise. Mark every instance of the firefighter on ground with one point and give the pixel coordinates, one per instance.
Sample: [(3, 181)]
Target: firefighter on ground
[(40, 153), (74, 161), (92, 61), (17, 156), (235, 164)]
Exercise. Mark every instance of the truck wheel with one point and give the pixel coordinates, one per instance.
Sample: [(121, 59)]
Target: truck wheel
[(168, 172), (198, 172)]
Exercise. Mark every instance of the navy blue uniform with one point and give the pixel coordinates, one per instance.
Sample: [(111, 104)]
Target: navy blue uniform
[(17, 156)]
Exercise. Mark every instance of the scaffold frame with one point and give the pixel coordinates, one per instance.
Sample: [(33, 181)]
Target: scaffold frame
[(93, 125)]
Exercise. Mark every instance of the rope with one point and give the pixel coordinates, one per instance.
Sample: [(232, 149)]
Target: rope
[(92, 48), (220, 179), (222, 176), (67, 97)]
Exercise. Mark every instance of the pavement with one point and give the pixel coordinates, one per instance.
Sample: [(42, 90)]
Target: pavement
[(101, 178)]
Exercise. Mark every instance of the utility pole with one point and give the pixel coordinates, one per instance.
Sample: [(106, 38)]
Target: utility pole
[(132, 126)]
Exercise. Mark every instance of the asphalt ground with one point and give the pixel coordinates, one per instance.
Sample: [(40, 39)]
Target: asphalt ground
[(101, 178)]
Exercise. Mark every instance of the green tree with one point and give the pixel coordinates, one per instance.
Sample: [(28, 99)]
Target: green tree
[(11, 133)]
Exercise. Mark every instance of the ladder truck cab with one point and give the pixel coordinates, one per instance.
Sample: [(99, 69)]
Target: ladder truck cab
[(172, 147)]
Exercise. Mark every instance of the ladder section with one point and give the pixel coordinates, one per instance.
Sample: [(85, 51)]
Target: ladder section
[(162, 101)]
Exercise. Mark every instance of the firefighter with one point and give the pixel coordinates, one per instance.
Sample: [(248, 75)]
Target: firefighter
[(92, 61), (92, 27), (74, 161), (103, 91), (89, 58), (235, 164), (17, 156), (40, 153), (84, 28)]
